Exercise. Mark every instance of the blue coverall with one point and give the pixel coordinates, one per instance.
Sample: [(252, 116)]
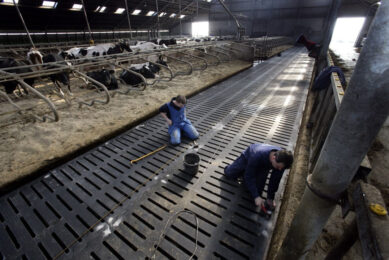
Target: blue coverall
[(254, 165), (179, 123)]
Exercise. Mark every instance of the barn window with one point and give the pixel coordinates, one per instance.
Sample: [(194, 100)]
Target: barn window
[(119, 11), (136, 12), (200, 29), (345, 34)]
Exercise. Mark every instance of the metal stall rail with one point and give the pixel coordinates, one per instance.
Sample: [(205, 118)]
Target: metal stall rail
[(101, 206), (79, 67)]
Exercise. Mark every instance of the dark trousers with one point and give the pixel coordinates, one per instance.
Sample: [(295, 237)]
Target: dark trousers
[(238, 168)]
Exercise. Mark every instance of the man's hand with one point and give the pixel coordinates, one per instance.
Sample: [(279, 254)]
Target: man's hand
[(258, 201), (271, 204), (168, 120)]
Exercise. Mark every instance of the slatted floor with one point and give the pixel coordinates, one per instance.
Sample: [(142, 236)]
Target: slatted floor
[(50, 217)]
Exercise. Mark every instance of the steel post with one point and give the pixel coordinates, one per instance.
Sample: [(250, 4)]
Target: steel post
[(128, 18), (325, 43), (361, 114)]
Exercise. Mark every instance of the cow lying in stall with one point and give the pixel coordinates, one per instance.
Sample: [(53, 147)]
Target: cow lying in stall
[(95, 51), (148, 70), (10, 86), (146, 46), (105, 77), (172, 41)]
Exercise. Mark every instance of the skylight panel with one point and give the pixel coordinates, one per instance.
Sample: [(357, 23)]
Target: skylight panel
[(162, 14), (76, 7), (172, 15), (119, 11), (100, 9), (10, 2), (49, 4), (136, 12), (150, 13), (182, 16)]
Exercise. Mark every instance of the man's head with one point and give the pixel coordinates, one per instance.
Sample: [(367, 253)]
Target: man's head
[(281, 159), (180, 100)]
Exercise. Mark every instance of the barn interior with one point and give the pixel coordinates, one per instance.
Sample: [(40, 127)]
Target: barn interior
[(86, 167)]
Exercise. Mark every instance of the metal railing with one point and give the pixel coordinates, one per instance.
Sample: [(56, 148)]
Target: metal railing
[(325, 107), (193, 59)]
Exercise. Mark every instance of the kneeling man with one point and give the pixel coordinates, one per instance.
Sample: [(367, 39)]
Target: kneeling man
[(174, 114), (254, 165)]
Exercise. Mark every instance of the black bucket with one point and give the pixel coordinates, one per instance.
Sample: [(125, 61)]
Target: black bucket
[(191, 163)]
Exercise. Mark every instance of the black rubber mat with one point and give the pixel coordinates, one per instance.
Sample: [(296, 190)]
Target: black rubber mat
[(80, 211)]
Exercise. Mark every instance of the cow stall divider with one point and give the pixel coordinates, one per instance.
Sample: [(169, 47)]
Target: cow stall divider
[(189, 56), (43, 118), (220, 52), (232, 51), (218, 60), (196, 57)]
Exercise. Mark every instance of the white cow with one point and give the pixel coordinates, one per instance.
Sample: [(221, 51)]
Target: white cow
[(146, 46)]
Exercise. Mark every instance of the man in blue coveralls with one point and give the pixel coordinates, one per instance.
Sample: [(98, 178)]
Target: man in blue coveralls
[(174, 114), (254, 165)]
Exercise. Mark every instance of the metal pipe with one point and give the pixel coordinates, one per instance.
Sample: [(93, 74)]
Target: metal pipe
[(361, 114), (366, 25), (331, 20), (218, 60), (156, 4), (240, 28), (196, 57), (128, 18), (86, 19), (349, 237), (24, 24), (181, 73), (179, 17), (95, 82), (197, 9)]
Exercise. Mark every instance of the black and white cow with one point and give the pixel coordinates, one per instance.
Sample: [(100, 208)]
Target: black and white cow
[(35, 57), (62, 77), (105, 77), (95, 51), (10, 86), (143, 68), (155, 68), (148, 70), (171, 41)]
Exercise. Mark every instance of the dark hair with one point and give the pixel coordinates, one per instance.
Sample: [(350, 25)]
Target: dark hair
[(285, 157), (181, 99)]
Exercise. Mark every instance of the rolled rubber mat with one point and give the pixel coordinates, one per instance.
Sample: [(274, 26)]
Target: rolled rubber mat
[(100, 206)]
